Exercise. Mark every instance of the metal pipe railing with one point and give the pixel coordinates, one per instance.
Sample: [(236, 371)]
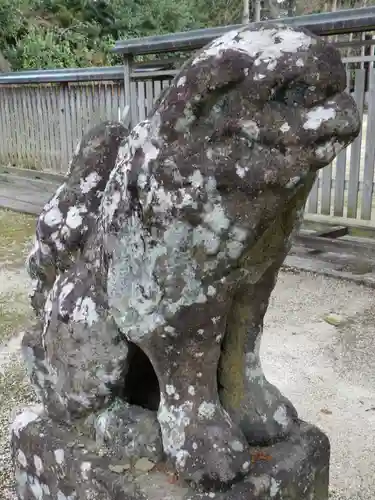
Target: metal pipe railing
[(327, 23), (71, 75)]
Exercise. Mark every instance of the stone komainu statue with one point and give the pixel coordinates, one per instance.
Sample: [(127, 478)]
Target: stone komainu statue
[(153, 267)]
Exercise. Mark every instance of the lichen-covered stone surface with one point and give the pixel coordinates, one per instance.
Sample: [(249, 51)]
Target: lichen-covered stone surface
[(152, 286), (64, 466)]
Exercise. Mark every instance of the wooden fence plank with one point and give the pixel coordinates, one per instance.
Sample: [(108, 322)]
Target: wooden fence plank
[(47, 154), (165, 84), (22, 146), (75, 137), (157, 89), (17, 128), (368, 173), (63, 132), (149, 96), (134, 104), (340, 173), (326, 178), (51, 113), (34, 130), (4, 146), (42, 145), (312, 202), (355, 153), (122, 99), (141, 100)]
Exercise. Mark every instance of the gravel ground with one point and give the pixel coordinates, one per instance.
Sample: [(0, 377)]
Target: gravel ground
[(327, 371), (16, 231)]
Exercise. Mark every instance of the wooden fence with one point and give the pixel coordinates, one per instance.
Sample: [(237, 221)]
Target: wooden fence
[(346, 187), (41, 123)]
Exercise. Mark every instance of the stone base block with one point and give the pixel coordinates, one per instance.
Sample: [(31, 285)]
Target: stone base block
[(53, 462)]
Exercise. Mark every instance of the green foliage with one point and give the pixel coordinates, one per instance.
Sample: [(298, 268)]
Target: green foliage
[(66, 33), (77, 33)]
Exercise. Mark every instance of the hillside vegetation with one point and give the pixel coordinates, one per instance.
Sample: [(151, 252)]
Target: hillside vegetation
[(79, 33)]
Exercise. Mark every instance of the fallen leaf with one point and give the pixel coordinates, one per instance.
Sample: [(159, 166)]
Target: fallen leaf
[(172, 479), (260, 455), (334, 319)]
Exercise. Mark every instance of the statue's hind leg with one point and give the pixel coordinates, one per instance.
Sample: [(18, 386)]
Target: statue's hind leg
[(257, 406)]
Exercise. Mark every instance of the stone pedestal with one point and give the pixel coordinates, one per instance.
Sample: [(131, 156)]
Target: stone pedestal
[(54, 462)]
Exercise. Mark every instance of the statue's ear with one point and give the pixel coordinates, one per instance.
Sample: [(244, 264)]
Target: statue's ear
[(197, 88)]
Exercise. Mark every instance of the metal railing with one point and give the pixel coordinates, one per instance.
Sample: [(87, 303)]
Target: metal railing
[(44, 113), (325, 24)]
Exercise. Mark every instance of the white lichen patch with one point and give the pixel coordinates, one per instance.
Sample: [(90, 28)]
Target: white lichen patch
[(206, 410), (274, 488), (53, 217), (285, 127), (196, 179), (181, 457), (90, 182), (181, 81), (59, 456), (316, 117), (85, 469), (208, 239), (234, 249), (66, 290), (241, 171), (74, 217), (259, 43), (236, 445), (173, 423), (36, 487), (21, 459), (216, 218), (38, 464), (85, 311), (281, 417), (170, 390), (191, 390), (250, 129), (25, 418), (246, 466)]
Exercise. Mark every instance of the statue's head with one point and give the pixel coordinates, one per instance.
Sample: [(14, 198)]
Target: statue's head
[(251, 118)]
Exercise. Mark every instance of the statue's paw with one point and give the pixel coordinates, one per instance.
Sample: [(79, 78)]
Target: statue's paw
[(206, 448), (266, 415)]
